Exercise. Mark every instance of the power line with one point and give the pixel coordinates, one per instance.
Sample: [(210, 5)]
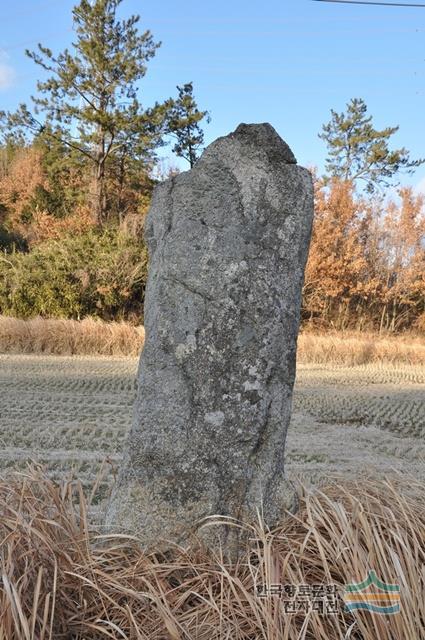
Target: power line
[(379, 4)]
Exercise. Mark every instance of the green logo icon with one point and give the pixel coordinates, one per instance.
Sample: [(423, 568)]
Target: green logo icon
[(373, 595)]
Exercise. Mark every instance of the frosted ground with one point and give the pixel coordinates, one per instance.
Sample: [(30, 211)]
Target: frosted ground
[(73, 412)]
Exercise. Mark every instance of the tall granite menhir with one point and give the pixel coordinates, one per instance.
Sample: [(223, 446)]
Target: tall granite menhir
[(228, 243)]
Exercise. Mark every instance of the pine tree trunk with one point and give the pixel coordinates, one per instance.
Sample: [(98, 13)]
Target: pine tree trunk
[(121, 181), (99, 193), (394, 315), (381, 326)]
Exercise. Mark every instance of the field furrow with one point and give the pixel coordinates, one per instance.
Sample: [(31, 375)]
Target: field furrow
[(71, 413)]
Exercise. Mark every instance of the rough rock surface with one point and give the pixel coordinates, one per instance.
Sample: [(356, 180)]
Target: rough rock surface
[(228, 243)]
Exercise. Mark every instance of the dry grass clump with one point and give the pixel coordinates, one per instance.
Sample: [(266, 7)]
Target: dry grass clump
[(95, 337), (70, 337), (62, 580), (356, 348)]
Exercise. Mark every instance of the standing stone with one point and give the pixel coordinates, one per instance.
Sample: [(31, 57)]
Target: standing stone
[(228, 242)]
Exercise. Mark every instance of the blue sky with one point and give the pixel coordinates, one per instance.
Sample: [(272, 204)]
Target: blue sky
[(287, 62)]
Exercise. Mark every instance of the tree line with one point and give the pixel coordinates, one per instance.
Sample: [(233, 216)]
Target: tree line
[(78, 166), (88, 113)]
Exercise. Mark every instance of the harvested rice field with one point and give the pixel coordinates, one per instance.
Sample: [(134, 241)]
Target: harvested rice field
[(71, 413)]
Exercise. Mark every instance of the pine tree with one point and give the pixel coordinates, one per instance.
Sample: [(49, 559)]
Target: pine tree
[(183, 124), (90, 103), (358, 151)]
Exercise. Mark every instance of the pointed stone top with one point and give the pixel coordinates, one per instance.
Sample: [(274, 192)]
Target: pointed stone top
[(264, 135), (256, 139)]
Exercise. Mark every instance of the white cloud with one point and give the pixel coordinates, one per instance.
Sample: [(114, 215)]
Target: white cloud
[(7, 73)]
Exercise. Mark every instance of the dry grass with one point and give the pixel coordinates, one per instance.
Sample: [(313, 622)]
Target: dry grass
[(70, 337), (356, 348), (62, 580), (94, 337)]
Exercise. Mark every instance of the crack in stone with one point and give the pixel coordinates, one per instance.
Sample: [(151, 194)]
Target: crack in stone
[(183, 284)]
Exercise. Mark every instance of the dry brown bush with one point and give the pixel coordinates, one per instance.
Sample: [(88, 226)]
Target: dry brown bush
[(70, 337), (366, 267), (61, 579)]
